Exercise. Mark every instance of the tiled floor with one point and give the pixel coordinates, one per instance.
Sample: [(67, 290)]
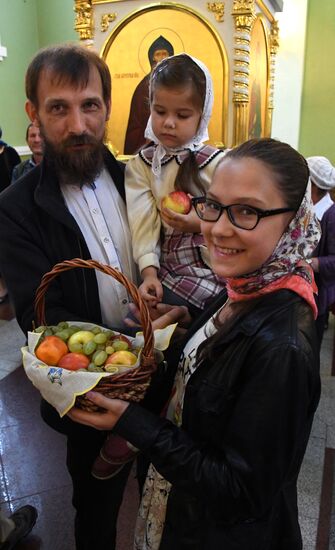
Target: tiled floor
[(32, 466), (33, 470)]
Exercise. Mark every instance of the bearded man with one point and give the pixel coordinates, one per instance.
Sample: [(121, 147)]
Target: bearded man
[(71, 206)]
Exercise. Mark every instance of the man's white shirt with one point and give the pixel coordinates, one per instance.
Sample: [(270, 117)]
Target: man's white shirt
[(101, 215)]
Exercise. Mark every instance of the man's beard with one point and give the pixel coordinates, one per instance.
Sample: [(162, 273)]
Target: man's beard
[(75, 166)]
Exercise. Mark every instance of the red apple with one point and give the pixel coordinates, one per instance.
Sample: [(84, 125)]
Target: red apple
[(74, 361), (178, 201)]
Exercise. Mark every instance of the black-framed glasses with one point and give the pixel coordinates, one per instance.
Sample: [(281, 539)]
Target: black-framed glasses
[(240, 215)]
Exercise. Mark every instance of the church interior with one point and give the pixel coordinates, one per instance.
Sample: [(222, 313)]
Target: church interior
[(272, 72)]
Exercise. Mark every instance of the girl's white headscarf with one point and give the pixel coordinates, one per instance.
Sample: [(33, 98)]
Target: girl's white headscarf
[(202, 133)]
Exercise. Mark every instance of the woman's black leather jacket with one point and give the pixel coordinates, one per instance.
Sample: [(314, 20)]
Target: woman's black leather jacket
[(247, 417)]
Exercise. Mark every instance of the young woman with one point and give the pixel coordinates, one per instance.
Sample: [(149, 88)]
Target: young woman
[(225, 461)]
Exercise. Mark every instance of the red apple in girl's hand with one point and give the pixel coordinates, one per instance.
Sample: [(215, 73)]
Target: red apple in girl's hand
[(178, 201)]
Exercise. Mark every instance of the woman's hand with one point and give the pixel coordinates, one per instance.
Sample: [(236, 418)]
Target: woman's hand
[(101, 421), (185, 223)]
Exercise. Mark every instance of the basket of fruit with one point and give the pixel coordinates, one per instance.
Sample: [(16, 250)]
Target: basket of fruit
[(67, 360)]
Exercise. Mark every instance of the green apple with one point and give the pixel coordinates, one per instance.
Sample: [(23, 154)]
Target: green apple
[(81, 337)]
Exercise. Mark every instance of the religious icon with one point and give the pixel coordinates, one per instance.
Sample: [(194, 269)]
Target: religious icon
[(131, 52), (139, 107)]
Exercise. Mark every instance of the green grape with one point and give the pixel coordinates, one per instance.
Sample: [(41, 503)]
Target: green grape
[(74, 328), (62, 324), (94, 368), (101, 346), (48, 332), (119, 345), (54, 329), (89, 347), (109, 333), (63, 334), (100, 338), (99, 357), (96, 330), (40, 329), (76, 347), (110, 350)]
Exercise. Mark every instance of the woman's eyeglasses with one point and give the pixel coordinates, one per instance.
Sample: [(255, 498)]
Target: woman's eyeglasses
[(240, 215)]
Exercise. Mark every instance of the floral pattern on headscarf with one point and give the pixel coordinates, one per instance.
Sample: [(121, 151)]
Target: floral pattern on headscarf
[(287, 266)]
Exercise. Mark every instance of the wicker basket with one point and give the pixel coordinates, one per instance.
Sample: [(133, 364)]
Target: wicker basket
[(132, 385)]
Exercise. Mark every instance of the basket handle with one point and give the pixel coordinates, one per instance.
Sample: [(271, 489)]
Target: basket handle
[(148, 348)]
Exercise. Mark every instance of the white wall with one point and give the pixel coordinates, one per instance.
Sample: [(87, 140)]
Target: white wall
[(289, 71)]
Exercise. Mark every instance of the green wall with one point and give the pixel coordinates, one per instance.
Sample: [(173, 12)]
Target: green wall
[(55, 21), (318, 105), (25, 26)]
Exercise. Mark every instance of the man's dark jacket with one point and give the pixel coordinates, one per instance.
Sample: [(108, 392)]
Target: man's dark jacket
[(246, 420), (37, 231)]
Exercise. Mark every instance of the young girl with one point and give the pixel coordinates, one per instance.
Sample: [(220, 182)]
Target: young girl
[(226, 460), (167, 246), (169, 254)]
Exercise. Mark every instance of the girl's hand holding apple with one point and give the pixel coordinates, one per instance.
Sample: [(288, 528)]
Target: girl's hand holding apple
[(177, 212), (185, 223)]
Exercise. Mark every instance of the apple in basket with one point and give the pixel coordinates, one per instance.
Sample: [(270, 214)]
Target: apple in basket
[(51, 350), (122, 357), (178, 201), (78, 339), (74, 361)]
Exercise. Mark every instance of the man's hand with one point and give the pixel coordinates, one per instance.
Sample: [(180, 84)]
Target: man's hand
[(185, 223), (101, 421), (161, 316)]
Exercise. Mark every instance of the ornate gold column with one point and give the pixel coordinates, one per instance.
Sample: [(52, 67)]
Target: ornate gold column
[(274, 46), (244, 15), (84, 21)]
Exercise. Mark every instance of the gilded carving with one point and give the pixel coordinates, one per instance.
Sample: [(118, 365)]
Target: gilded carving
[(274, 37), (243, 6), (274, 46), (106, 19), (244, 16), (84, 19), (218, 9)]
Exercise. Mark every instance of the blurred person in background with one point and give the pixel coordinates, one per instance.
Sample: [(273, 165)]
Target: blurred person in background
[(8, 159), (35, 144), (322, 174)]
